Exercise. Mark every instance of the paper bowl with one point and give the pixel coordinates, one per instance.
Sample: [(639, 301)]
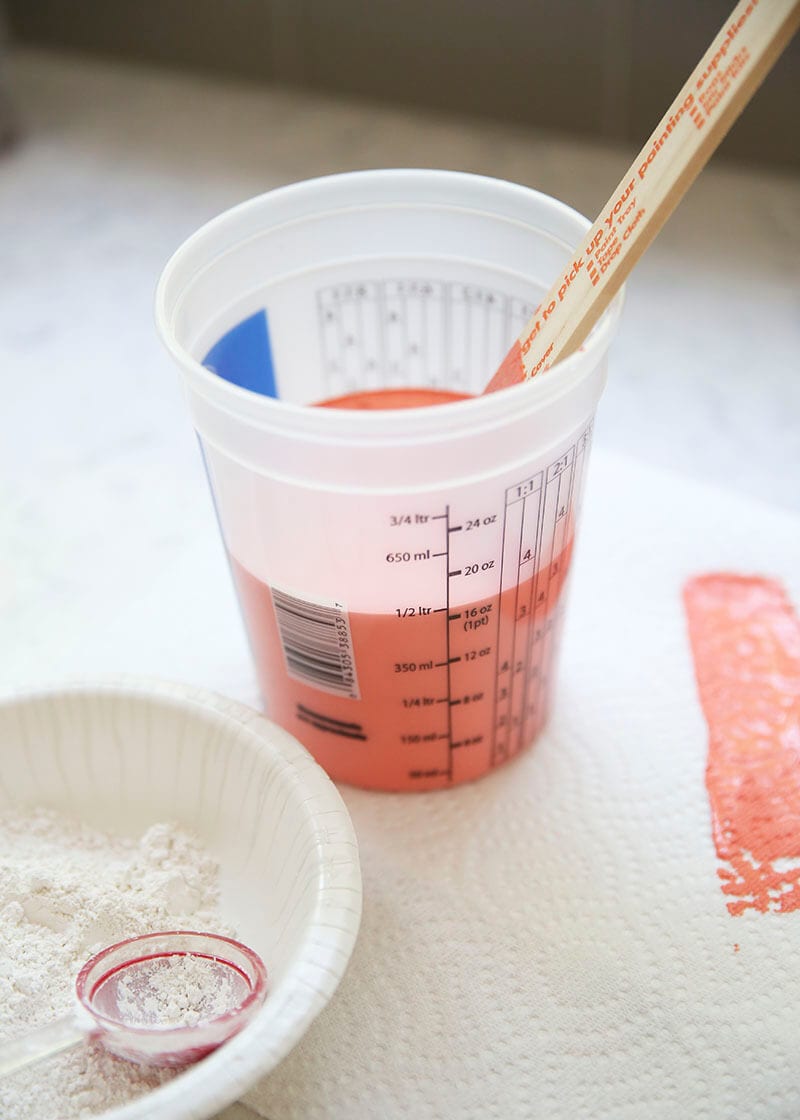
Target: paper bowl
[(129, 753)]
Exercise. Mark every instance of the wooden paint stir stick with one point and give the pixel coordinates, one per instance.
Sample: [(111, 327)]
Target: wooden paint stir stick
[(717, 90)]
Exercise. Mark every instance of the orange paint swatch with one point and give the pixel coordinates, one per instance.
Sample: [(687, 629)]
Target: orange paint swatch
[(745, 640)]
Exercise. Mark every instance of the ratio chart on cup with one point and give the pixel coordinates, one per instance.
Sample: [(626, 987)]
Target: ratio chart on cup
[(413, 331)]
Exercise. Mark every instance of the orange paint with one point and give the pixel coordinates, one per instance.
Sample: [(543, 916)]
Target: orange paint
[(510, 372), (373, 399), (443, 694), (745, 639), (426, 727)]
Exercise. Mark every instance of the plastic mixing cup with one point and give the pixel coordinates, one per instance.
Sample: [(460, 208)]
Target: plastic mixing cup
[(401, 573)]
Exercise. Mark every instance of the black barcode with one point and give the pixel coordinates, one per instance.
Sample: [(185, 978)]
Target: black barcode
[(317, 645)]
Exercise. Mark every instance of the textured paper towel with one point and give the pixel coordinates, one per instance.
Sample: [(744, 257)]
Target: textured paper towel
[(553, 941)]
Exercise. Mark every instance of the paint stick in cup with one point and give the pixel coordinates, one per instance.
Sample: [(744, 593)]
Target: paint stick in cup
[(714, 95)]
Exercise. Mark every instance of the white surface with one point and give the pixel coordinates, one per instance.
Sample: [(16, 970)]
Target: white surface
[(130, 755), (110, 558)]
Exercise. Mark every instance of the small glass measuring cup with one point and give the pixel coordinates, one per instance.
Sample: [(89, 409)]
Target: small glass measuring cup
[(116, 1007)]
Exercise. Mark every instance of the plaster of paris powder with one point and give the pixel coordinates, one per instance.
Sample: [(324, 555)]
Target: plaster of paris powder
[(177, 991), (67, 890)]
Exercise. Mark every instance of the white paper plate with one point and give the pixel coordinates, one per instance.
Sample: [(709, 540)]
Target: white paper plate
[(126, 754)]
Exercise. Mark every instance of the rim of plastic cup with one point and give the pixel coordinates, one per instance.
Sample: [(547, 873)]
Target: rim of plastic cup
[(459, 416)]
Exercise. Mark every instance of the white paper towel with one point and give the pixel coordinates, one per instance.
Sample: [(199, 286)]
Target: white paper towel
[(552, 941)]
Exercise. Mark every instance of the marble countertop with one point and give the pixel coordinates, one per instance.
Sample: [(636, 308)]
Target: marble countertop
[(106, 526)]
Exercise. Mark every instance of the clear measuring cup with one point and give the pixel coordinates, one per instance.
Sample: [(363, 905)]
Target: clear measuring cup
[(122, 1005), (402, 573)]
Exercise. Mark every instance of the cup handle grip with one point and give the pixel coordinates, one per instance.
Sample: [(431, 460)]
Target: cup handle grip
[(41, 1043)]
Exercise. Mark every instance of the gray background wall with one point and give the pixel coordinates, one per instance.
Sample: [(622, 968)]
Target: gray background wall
[(606, 68)]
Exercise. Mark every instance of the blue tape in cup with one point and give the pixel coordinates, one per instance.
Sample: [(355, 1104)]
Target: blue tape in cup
[(243, 356)]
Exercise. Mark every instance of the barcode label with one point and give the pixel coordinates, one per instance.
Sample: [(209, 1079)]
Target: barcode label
[(317, 644)]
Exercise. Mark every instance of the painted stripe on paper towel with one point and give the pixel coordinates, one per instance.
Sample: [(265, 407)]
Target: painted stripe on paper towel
[(745, 638)]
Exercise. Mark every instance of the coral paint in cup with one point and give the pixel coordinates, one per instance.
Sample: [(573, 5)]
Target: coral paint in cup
[(401, 568), (379, 399)]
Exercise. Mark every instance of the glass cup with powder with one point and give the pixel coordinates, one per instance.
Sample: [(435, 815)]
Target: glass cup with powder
[(161, 999)]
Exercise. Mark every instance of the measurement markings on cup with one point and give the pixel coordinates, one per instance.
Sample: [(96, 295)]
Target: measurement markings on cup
[(469, 641), (496, 652), (537, 540), (407, 330)]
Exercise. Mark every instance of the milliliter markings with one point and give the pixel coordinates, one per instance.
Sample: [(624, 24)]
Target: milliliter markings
[(449, 659), (498, 645)]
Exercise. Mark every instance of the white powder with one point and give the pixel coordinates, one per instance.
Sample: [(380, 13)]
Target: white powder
[(178, 991), (66, 891)]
